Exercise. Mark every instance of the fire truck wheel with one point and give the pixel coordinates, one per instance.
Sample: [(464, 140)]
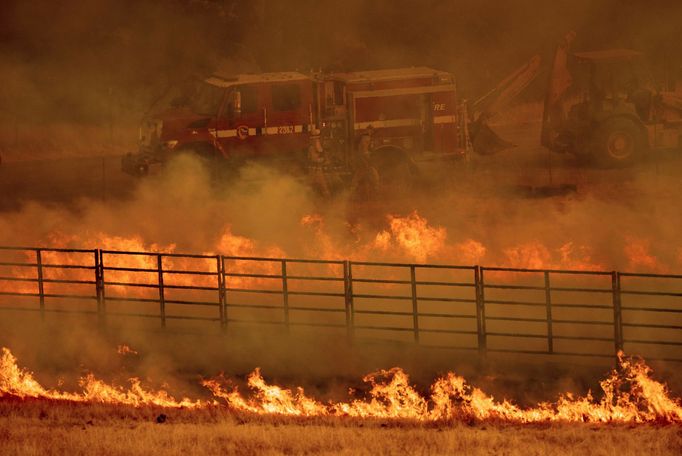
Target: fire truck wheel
[(618, 142)]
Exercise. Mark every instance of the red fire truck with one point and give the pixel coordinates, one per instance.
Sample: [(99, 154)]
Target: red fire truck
[(413, 113)]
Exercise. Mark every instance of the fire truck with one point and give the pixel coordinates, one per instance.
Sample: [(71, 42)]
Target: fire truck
[(412, 114)]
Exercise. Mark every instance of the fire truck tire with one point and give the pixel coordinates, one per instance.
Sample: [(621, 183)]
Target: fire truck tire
[(618, 142)]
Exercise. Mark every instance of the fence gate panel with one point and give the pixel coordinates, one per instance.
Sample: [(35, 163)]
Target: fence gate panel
[(49, 281), (383, 302), (489, 309), (515, 310), (255, 292), (651, 307)]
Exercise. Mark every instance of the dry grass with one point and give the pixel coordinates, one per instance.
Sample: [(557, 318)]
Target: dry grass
[(40, 427)]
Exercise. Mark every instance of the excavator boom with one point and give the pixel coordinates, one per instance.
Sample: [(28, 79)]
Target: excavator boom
[(506, 91), (484, 140)]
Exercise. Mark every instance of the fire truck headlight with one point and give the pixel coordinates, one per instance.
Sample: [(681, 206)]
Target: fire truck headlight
[(171, 144)]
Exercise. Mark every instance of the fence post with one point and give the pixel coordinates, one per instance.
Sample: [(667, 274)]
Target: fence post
[(162, 298), (41, 286), (617, 314), (285, 293), (415, 308), (99, 287), (480, 310), (103, 293), (220, 265), (548, 302), (348, 297)]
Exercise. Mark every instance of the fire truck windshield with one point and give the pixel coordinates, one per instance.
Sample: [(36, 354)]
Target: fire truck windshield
[(207, 98)]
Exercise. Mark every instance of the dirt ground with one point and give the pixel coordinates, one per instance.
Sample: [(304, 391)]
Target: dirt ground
[(38, 428)]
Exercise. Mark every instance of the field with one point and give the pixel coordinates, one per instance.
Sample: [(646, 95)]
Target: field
[(40, 427)]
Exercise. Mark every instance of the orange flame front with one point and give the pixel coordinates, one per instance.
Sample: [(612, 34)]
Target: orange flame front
[(630, 395), (18, 382)]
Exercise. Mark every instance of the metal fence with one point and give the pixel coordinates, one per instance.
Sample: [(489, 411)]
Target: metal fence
[(484, 309)]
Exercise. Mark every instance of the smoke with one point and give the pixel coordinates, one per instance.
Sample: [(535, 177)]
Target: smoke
[(62, 349), (620, 219), (109, 59), (92, 72), (188, 207), (77, 79)]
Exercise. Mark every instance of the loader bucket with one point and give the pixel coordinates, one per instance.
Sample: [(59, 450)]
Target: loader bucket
[(485, 141)]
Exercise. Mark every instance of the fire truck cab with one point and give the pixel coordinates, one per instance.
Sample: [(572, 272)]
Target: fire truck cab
[(263, 115), (238, 118), (413, 114)]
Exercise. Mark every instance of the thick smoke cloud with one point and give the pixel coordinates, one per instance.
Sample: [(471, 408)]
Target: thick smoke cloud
[(69, 61)]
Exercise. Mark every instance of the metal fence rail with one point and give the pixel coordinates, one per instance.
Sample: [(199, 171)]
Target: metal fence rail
[(485, 309)]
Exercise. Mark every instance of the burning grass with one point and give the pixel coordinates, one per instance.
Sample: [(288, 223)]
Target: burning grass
[(629, 395), (636, 415), (39, 426)]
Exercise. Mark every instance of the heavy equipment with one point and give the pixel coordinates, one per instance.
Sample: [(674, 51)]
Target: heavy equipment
[(413, 115), (604, 106)]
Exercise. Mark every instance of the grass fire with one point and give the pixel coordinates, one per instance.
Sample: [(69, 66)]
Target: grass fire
[(358, 227), (389, 402), (630, 395)]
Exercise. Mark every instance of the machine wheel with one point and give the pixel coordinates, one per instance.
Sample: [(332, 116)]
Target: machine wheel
[(618, 142)]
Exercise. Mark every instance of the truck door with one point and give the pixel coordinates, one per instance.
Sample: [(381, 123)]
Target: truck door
[(240, 122), (289, 115)]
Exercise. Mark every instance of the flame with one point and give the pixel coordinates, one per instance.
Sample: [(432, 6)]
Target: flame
[(391, 396), (630, 395), (18, 382), (324, 245), (268, 398), (470, 251), (230, 244), (638, 252), (535, 255), (413, 235), (410, 238)]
